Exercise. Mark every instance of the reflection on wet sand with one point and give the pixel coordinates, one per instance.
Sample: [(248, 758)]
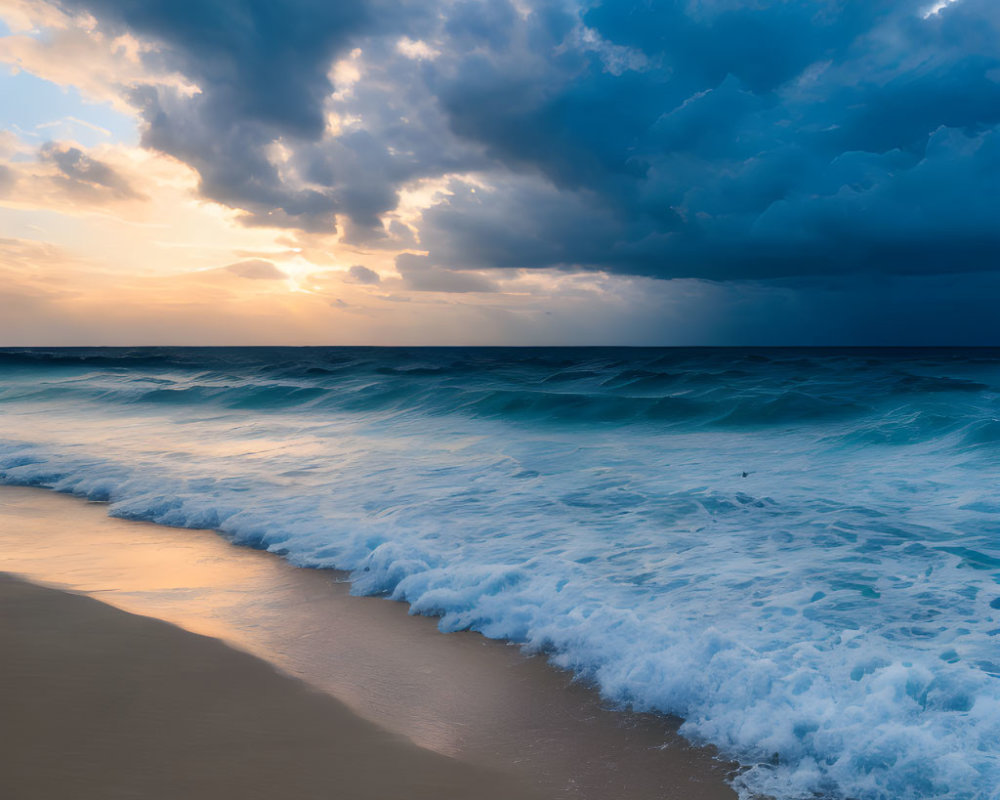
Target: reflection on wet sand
[(460, 694)]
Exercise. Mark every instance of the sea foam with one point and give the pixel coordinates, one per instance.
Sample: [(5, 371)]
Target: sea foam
[(795, 551)]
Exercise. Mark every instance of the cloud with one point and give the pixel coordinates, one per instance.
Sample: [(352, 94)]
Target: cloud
[(256, 269), (264, 62), (420, 275), (768, 140), (82, 174), (361, 274), (716, 139), (262, 72)]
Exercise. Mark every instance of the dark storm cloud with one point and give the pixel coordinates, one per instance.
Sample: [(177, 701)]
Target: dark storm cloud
[(260, 61), (262, 69), (722, 139), (760, 140)]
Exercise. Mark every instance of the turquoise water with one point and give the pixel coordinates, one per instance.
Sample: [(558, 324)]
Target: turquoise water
[(798, 551)]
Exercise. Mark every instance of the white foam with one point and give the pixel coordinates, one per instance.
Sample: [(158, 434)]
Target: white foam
[(825, 619)]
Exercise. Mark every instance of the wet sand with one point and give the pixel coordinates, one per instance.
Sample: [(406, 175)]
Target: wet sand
[(481, 704), (98, 703)]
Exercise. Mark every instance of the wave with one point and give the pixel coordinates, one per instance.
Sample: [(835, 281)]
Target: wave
[(612, 387), (785, 548)]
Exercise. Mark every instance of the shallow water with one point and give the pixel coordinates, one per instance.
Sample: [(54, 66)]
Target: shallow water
[(472, 699), (795, 550)]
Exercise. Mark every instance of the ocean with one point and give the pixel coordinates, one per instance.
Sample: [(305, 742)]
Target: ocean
[(797, 551)]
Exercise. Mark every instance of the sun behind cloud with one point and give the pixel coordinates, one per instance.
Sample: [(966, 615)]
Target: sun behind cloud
[(776, 170)]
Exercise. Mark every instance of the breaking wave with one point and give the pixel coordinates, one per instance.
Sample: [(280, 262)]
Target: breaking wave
[(797, 551)]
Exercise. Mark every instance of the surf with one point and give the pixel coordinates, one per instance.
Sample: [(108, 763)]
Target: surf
[(793, 550)]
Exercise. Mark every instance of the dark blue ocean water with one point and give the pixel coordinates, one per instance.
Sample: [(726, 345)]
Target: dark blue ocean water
[(796, 550)]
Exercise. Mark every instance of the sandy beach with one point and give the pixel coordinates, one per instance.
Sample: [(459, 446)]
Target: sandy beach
[(331, 696), (582, 399), (99, 703)]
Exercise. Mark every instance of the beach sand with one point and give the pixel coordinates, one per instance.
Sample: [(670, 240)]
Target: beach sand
[(98, 703), (294, 688)]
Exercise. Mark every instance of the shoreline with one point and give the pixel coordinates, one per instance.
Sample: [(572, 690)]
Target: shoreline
[(477, 701), (104, 704)]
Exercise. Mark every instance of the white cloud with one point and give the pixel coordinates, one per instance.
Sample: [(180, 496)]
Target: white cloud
[(416, 49)]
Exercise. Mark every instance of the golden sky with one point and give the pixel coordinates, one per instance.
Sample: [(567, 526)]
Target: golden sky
[(121, 247)]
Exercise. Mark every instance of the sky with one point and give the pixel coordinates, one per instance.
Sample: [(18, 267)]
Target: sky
[(634, 172)]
